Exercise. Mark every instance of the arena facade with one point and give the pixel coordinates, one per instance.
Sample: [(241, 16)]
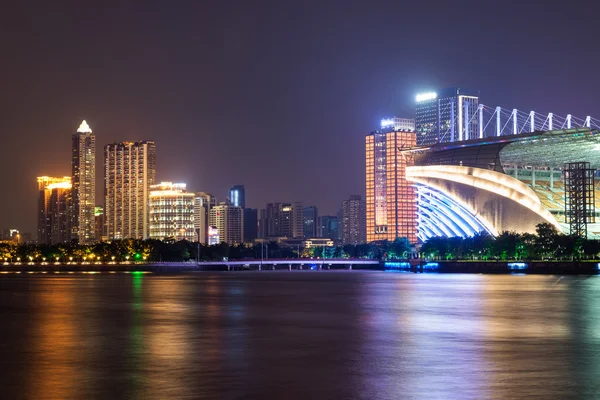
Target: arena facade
[(505, 183)]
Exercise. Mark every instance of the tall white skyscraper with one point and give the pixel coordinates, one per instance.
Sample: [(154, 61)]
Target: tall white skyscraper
[(83, 176)]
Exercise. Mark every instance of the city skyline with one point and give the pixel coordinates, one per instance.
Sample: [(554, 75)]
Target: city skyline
[(148, 84)]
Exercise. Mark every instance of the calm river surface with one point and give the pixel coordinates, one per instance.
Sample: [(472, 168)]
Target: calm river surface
[(299, 335)]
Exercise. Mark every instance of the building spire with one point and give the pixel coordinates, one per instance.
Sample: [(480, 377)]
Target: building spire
[(84, 128)]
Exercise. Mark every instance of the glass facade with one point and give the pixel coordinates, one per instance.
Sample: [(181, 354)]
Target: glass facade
[(391, 205), (447, 116)]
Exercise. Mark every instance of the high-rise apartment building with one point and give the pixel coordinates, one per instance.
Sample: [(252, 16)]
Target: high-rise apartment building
[(328, 227), (446, 116), (353, 221), (282, 220), (54, 210), (172, 212), (83, 178), (237, 196), (129, 171), (310, 221), (391, 200), (229, 221), (203, 202)]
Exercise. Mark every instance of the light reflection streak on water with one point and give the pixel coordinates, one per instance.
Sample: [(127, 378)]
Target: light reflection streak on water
[(55, 342), (419, 330)]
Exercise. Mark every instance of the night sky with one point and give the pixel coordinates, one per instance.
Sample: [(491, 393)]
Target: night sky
[(275, 95)]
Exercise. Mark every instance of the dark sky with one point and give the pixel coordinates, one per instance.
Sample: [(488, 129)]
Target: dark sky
[(275, 95)]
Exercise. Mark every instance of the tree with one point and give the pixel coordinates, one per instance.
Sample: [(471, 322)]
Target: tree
[(505, 246), (399, 248), (545, 242), (590, 248)]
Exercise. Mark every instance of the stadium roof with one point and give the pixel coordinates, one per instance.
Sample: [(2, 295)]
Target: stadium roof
[(541, 149)]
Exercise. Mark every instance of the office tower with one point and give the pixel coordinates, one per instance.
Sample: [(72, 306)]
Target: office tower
[(54, 210), (310, 215), (391, 199), (328, 227), (282, 220), (83, 179), (172, 212), (398, 124), (250, 224), (229, 221), (353, 220), (203, 202), (99, 224), (447, 116), (129, 171), (237, 196)]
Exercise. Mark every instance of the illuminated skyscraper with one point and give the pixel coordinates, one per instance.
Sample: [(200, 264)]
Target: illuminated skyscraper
[(237, 196), (447, 116), (391, 199), (172, 212), (352, 221), (83, 176), (54, 210), (229, 221), (129, 171)]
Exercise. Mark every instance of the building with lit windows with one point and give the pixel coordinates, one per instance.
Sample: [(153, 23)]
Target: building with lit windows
[(446, 116), (282, 220), (129, 171), (203, 202), (99, 223), (353, 221), (54, 210), (391, 200), (172, 212), (328, 227), (311, 220), (398, 124), (83, 178), (237, 196), (229, 221)]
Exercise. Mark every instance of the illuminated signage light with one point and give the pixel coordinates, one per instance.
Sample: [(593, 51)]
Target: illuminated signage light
[(84, 128), (387, 122), (426, 96)]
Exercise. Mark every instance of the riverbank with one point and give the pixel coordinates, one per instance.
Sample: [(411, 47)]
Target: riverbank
[(414, 266)]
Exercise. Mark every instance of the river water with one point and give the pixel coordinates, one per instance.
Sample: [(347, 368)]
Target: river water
[(299, 335)]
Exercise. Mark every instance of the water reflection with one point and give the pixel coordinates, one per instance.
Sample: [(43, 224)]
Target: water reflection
[(418, 330), (299, 335), (55, 341)]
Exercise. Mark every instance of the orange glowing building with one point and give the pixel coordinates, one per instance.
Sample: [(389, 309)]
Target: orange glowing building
[(391, 199)]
